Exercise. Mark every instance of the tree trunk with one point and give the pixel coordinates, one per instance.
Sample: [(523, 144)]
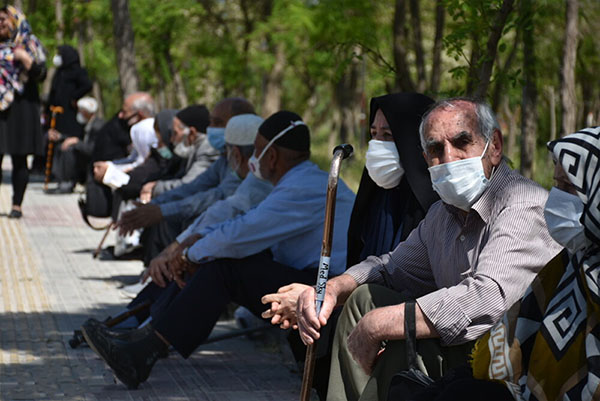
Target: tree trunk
[(567, 88), (179, 87), (552, 109), (529, 101), (415, 15), (436, 65), (512, 128), (485, 70), (403, 81), (19, 4), (59, 37), (347, 97), (500, 84), (124, 42), (273, 81)]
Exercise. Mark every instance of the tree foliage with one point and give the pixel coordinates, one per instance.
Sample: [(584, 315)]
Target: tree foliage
[(326, 58)]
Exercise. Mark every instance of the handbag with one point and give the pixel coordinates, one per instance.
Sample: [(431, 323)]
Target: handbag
[(411, 381)]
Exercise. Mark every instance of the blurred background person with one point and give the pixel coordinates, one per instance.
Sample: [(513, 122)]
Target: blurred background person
[(69, 84), (22, 66)]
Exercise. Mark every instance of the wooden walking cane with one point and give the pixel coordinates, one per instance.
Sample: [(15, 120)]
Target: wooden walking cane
[(340, 153), (99, 248), (54, 110)]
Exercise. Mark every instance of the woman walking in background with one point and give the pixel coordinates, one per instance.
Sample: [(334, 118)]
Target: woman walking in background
[(22, 66)]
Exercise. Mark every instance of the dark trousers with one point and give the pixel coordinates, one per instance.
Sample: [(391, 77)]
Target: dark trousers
[(159, 298), (157, 237), (19, 177), (69, 165), (193, 313)]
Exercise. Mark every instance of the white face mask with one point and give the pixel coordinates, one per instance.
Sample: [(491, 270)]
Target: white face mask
[(460, 183), (184, 151), (254, 162), (562, 213), (383, 163), (81, 118), (57, 60)]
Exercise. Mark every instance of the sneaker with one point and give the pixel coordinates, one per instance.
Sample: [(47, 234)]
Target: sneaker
[(15, 214), (131, 291)]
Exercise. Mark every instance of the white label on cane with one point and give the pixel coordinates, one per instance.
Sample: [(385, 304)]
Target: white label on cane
[(322, 279)]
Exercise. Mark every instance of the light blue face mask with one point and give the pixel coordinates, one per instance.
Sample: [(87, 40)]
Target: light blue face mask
[(216, 137), (165, 152)]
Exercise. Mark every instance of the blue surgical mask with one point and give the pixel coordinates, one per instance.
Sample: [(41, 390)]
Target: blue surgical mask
[(216, 137)]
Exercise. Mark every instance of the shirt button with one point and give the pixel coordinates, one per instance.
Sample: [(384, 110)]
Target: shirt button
[(462, 238)]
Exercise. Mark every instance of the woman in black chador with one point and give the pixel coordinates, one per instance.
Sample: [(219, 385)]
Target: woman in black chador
[(22, 66), (69, 84)]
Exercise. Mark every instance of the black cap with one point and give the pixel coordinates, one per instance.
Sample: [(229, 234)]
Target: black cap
[(296, 138), (196, 116)]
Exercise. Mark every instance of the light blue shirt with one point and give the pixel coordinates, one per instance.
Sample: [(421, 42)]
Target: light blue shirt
[(188, 201), (289, 222), (250, 193)]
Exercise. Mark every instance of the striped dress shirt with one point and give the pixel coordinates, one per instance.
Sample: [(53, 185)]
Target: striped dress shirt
[(466, 269)]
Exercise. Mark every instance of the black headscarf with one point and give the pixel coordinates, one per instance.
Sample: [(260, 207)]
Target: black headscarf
[(164, 121), (404, 206), (69, 84)]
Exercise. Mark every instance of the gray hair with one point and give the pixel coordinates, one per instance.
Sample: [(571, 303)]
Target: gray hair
[(486, 119), (144, 104)]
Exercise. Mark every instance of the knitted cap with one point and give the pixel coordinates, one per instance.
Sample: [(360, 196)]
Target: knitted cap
[(196, 116), (88, 104), (296, 138), (242, 129)]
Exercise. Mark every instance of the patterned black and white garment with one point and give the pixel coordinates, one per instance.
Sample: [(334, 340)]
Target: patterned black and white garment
[(547, 347)]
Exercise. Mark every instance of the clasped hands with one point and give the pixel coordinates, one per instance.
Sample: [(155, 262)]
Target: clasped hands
[(170, 265)]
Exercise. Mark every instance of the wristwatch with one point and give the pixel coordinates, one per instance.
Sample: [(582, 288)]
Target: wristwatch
[(184, 256)]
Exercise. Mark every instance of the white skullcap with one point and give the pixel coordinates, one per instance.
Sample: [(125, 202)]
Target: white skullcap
[(241, 130), (88, 104)]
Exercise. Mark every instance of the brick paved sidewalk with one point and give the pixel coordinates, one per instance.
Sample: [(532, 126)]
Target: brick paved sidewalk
[(49, 284)]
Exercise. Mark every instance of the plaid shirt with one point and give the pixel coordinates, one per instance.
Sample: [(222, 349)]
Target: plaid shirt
[(466, 270)]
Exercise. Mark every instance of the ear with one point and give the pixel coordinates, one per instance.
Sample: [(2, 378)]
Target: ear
[(193, 135), (496, 147), (272, 155)]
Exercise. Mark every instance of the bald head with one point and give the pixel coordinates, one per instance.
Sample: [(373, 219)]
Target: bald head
[(227, 108), (136, 107)]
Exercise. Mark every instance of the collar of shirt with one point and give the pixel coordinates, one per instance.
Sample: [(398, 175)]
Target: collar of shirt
[(293, 171), (483, 206)]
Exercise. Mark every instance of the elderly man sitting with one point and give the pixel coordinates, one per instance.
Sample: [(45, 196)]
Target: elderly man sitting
[(466, 263), (243, 258)]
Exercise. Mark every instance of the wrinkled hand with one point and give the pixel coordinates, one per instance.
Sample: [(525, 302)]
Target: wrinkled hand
[(146, 192), (158, 269), (68, 142), (363, 344), (308, 323), (178, 266), (283, 305), (54, 135), (99, 170), (144, 215)]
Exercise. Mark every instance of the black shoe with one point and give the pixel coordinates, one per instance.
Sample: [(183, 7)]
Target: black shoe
[(131, 361), (15, 214), (92, 326)]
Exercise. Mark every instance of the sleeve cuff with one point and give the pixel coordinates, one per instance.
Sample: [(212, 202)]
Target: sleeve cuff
[(168, 209), (445, 314)]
